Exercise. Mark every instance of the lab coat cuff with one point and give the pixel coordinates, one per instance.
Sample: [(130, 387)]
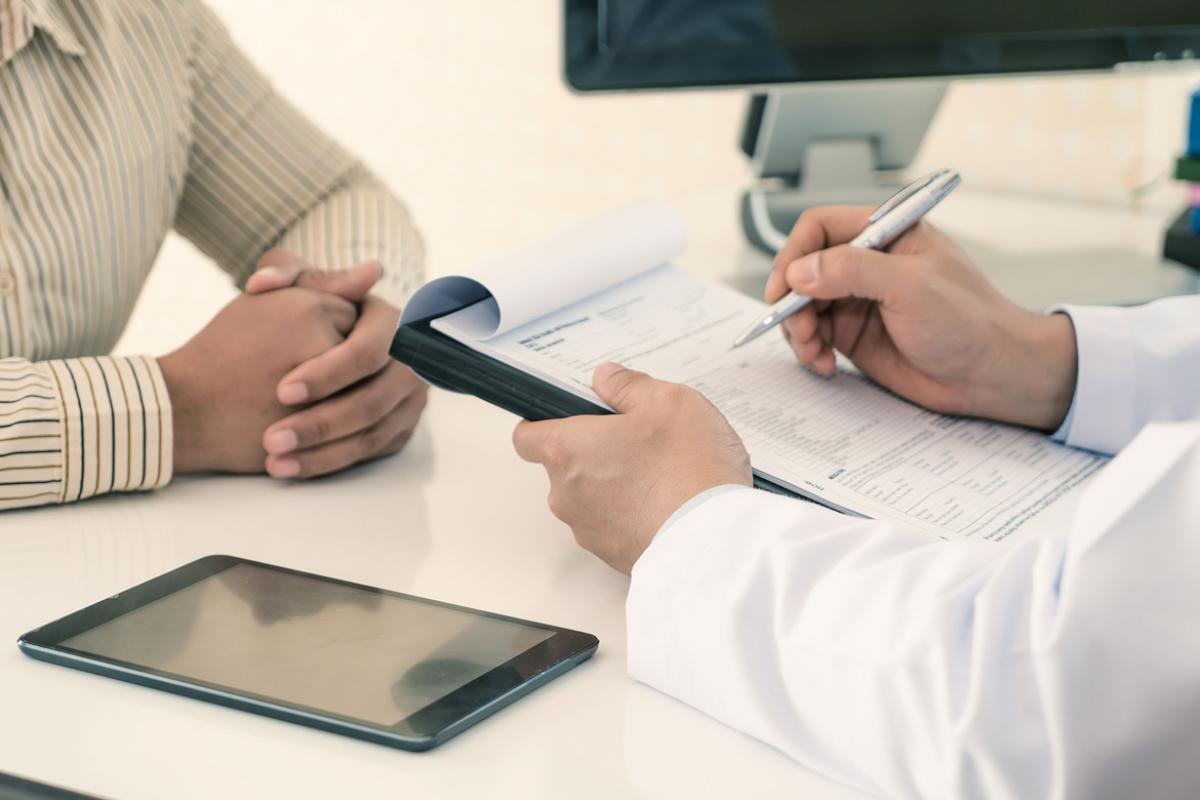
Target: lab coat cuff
[(1102, 411), (665, 619), (697, 500)]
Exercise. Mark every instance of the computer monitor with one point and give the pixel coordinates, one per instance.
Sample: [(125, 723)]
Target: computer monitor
[(851, 86)]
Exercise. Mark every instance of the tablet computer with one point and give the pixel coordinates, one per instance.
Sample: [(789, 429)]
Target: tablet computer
[(377, 665)]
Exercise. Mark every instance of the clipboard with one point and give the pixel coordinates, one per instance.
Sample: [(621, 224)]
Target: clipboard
[(449, 364)]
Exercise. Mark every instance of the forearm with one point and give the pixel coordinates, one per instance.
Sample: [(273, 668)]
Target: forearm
[(263, 175), (362, 221), (76, 428), (912, 667)]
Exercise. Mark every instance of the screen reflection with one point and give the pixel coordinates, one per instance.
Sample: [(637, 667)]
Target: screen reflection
[(308, 642)]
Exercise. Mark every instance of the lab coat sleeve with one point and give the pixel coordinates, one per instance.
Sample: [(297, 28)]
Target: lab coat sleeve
[(1136, 366), (1061, 665)]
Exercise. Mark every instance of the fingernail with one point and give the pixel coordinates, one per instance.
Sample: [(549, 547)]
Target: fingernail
[(277, 274), (292, 393), (605, 370), (284, 468), (280, 442), (803, 270)]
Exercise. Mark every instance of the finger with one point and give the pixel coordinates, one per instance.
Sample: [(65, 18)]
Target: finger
[(351, 411), (801, 325), (825, 362), (364, 445), (816, 229), (363, 353), (536, 441), (352, 284), (846, 271), (277, 269), (622, 388), (270, 278), (825, 327), (343, 314), (807, 350)]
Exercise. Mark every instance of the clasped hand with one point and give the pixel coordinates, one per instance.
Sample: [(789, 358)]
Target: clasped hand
[(293, 377)]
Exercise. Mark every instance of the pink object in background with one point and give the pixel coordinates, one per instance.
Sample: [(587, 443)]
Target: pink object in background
[(1193, 195)]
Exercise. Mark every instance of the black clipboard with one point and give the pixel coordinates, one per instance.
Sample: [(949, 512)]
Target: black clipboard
[(450, 364)]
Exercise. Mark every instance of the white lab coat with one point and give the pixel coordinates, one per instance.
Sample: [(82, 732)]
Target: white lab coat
[(1060, 665)]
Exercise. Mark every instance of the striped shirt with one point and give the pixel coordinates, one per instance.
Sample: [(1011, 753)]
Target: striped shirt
[(120, 120)]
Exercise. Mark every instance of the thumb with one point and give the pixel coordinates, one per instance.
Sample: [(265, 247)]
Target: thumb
[(351, 284), (623, 389), (847, 271)]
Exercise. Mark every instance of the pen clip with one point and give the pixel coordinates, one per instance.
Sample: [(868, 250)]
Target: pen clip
[(905, 193)]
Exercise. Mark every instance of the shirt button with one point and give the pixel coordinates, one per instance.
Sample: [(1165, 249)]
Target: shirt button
[(8, 284)]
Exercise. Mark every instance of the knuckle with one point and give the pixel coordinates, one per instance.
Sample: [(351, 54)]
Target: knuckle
[(368, 360), (371, 441), (843, 259), (627, 384), (372, 404), (367, 443), (320, 430), (673, 395), (557, 504), (419, 395)]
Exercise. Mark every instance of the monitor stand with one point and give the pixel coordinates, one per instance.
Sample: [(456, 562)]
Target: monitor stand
[(827, 144)]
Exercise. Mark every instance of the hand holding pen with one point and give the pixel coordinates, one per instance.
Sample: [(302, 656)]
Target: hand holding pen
[(922, 321), (886, 224)]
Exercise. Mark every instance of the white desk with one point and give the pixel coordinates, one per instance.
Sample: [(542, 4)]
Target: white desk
[(455, 517), (434, 521)]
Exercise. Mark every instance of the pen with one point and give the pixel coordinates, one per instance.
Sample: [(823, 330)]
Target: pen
[(897, 214)]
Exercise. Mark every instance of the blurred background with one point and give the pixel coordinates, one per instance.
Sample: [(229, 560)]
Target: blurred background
[(460, 107)]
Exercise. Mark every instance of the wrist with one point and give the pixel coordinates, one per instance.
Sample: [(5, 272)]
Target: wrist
[(187, 419), (1038, 385)]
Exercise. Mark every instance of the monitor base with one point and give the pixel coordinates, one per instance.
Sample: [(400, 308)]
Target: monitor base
[(832, 144)]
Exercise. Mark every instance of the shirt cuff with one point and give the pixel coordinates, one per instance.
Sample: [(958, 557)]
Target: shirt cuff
[(1060, 435), (1101, 416), (117, 430)]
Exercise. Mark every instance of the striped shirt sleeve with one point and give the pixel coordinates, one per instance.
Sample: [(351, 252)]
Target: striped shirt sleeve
[(261, 175), (74, 428)]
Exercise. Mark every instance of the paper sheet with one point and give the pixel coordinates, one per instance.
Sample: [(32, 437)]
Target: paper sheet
[(556, 272), (843, 440)]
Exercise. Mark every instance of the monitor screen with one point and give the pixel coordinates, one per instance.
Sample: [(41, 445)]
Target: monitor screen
[(616, 44)]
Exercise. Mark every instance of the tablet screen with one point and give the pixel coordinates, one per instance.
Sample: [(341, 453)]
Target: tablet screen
[(348, 650)]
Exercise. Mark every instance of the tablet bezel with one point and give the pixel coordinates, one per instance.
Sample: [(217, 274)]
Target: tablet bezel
[(424, 728)]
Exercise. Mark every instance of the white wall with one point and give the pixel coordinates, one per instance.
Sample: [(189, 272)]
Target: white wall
[(459, 106)]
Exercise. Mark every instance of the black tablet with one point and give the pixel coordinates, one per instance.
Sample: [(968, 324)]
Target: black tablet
[(352, 659)]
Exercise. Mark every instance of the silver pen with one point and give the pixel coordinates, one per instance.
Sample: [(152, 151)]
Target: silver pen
[(897, 214)]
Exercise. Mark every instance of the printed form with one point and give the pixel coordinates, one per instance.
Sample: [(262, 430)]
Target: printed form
[(842, 441)]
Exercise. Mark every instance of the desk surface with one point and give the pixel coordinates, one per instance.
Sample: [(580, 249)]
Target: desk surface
[(403, 524), (457, 517)]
